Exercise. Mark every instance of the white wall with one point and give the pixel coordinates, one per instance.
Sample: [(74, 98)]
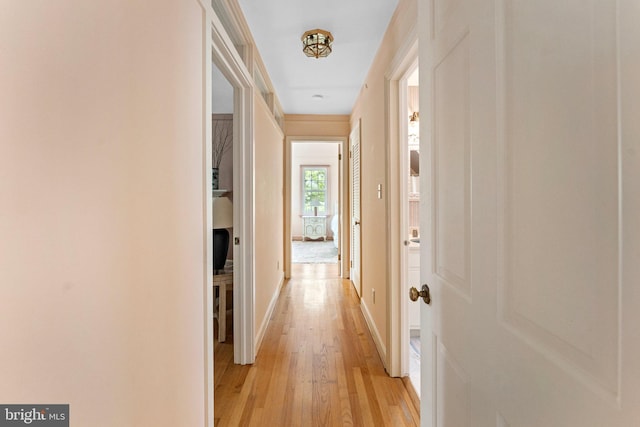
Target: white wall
[(102, 209), (310, 154)]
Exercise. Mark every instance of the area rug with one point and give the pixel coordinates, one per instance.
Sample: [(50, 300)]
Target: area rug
[(313, 253)]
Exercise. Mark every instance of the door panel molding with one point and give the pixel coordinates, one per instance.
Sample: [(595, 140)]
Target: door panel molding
[(534, 287), (451, 176), (453, 384)]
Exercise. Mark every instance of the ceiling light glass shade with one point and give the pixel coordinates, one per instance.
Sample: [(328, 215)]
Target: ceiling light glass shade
[(317, 43)]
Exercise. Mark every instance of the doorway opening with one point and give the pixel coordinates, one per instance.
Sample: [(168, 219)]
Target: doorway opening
[(222, 123), (404, 206), (315, 202), (410, 223), (227, 70), (314, 211)]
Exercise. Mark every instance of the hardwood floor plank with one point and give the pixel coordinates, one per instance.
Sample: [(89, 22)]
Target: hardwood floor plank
[(363, 398), (293, 411), (307, 386), (346, 416), (257, 419), (321, 388), (244, 402), (317, 366)]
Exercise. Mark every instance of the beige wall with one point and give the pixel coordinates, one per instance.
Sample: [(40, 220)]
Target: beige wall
[(310, 125), (370, 107), (102, 209), (269, 202)]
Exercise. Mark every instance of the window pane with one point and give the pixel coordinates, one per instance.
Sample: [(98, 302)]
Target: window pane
[(314, 189)]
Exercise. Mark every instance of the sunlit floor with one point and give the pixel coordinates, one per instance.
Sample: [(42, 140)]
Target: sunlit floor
[(314, 252), (317, 364)]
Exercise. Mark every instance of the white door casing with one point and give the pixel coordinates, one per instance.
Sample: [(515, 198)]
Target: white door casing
[(530, 220), (404, 63), (354, 174), (228, 61)]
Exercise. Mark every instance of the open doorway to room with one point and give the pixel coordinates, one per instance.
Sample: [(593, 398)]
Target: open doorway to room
[(410, 224), (315, 202), (231, 85), (222, 118), (404, 208), (232, 94)]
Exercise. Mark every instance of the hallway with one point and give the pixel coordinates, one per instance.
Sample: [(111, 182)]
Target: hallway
[(317, 365)]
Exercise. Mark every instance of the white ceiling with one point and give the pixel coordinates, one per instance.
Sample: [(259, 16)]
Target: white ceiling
[(357, 27)]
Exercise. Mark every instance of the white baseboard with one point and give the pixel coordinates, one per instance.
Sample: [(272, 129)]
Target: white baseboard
[(377, 339), (265, 321)]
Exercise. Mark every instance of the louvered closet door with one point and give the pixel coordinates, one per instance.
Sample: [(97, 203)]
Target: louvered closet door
[(354, 141)]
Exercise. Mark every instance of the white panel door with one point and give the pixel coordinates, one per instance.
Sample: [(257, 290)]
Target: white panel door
[(531, 219), (354, 152)]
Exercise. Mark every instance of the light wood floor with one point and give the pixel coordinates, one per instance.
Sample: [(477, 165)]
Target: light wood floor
[(317, 366)]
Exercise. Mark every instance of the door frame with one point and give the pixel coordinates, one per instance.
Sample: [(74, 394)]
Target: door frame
[(356, 129), (343, 197), (403, 64), (232, 66)]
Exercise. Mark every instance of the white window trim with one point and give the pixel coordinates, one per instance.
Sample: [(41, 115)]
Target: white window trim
[(327, 192)]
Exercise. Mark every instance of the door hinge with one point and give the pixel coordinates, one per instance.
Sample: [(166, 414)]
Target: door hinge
[(351, 263), (339, 257), (236, 241), (339, 156)]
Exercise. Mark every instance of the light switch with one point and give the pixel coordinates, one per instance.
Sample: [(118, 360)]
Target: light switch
[(379, 191)]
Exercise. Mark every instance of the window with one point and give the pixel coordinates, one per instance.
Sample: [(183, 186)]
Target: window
[(315, 190)]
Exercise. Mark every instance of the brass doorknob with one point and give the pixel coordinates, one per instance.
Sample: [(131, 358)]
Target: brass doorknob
[(414, 294)]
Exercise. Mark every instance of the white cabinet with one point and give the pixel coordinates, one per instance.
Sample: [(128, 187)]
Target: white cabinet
[(314, 227)]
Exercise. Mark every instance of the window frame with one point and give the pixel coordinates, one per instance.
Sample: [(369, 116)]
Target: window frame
[(303, 191)]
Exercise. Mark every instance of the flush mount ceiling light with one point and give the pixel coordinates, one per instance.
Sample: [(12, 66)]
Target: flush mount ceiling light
[(317, 43)]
